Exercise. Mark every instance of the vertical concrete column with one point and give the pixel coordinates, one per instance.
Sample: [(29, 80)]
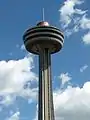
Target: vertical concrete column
[(45, 111)]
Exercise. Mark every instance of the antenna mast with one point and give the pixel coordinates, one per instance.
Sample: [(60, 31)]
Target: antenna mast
[(43, 15)]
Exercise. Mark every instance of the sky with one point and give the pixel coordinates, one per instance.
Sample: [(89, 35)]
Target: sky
[(70, 66)]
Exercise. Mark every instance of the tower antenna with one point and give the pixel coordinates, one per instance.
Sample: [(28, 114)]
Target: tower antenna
[(43, 15)]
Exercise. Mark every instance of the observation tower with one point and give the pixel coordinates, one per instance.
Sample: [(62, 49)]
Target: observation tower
[(44, 40)]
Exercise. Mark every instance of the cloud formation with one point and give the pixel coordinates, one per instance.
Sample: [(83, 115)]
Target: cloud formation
[(83, 68), (85, 22), (22, 47), (65, 77), (86, 38), (74, 19), (14, 116), (68, 10), (14, 76), (73, 103)]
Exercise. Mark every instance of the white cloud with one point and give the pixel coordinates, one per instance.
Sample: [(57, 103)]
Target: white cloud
[(13, 76), (65, 77), (83, 68), (85, 22), (86, 38), (74, 19), (15, 116), (73, 103), (30, 94), (7, 99), (79, 11), (68, 10), (22, 47)]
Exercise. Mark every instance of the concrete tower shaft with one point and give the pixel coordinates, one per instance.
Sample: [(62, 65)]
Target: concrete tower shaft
[(46, 110), (44, 40)]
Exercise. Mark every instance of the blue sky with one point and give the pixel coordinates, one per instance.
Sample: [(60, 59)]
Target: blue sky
[(70, 66)]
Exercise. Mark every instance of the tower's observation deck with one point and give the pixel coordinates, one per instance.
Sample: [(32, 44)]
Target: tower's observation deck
[(43, 36), (44, 40)]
